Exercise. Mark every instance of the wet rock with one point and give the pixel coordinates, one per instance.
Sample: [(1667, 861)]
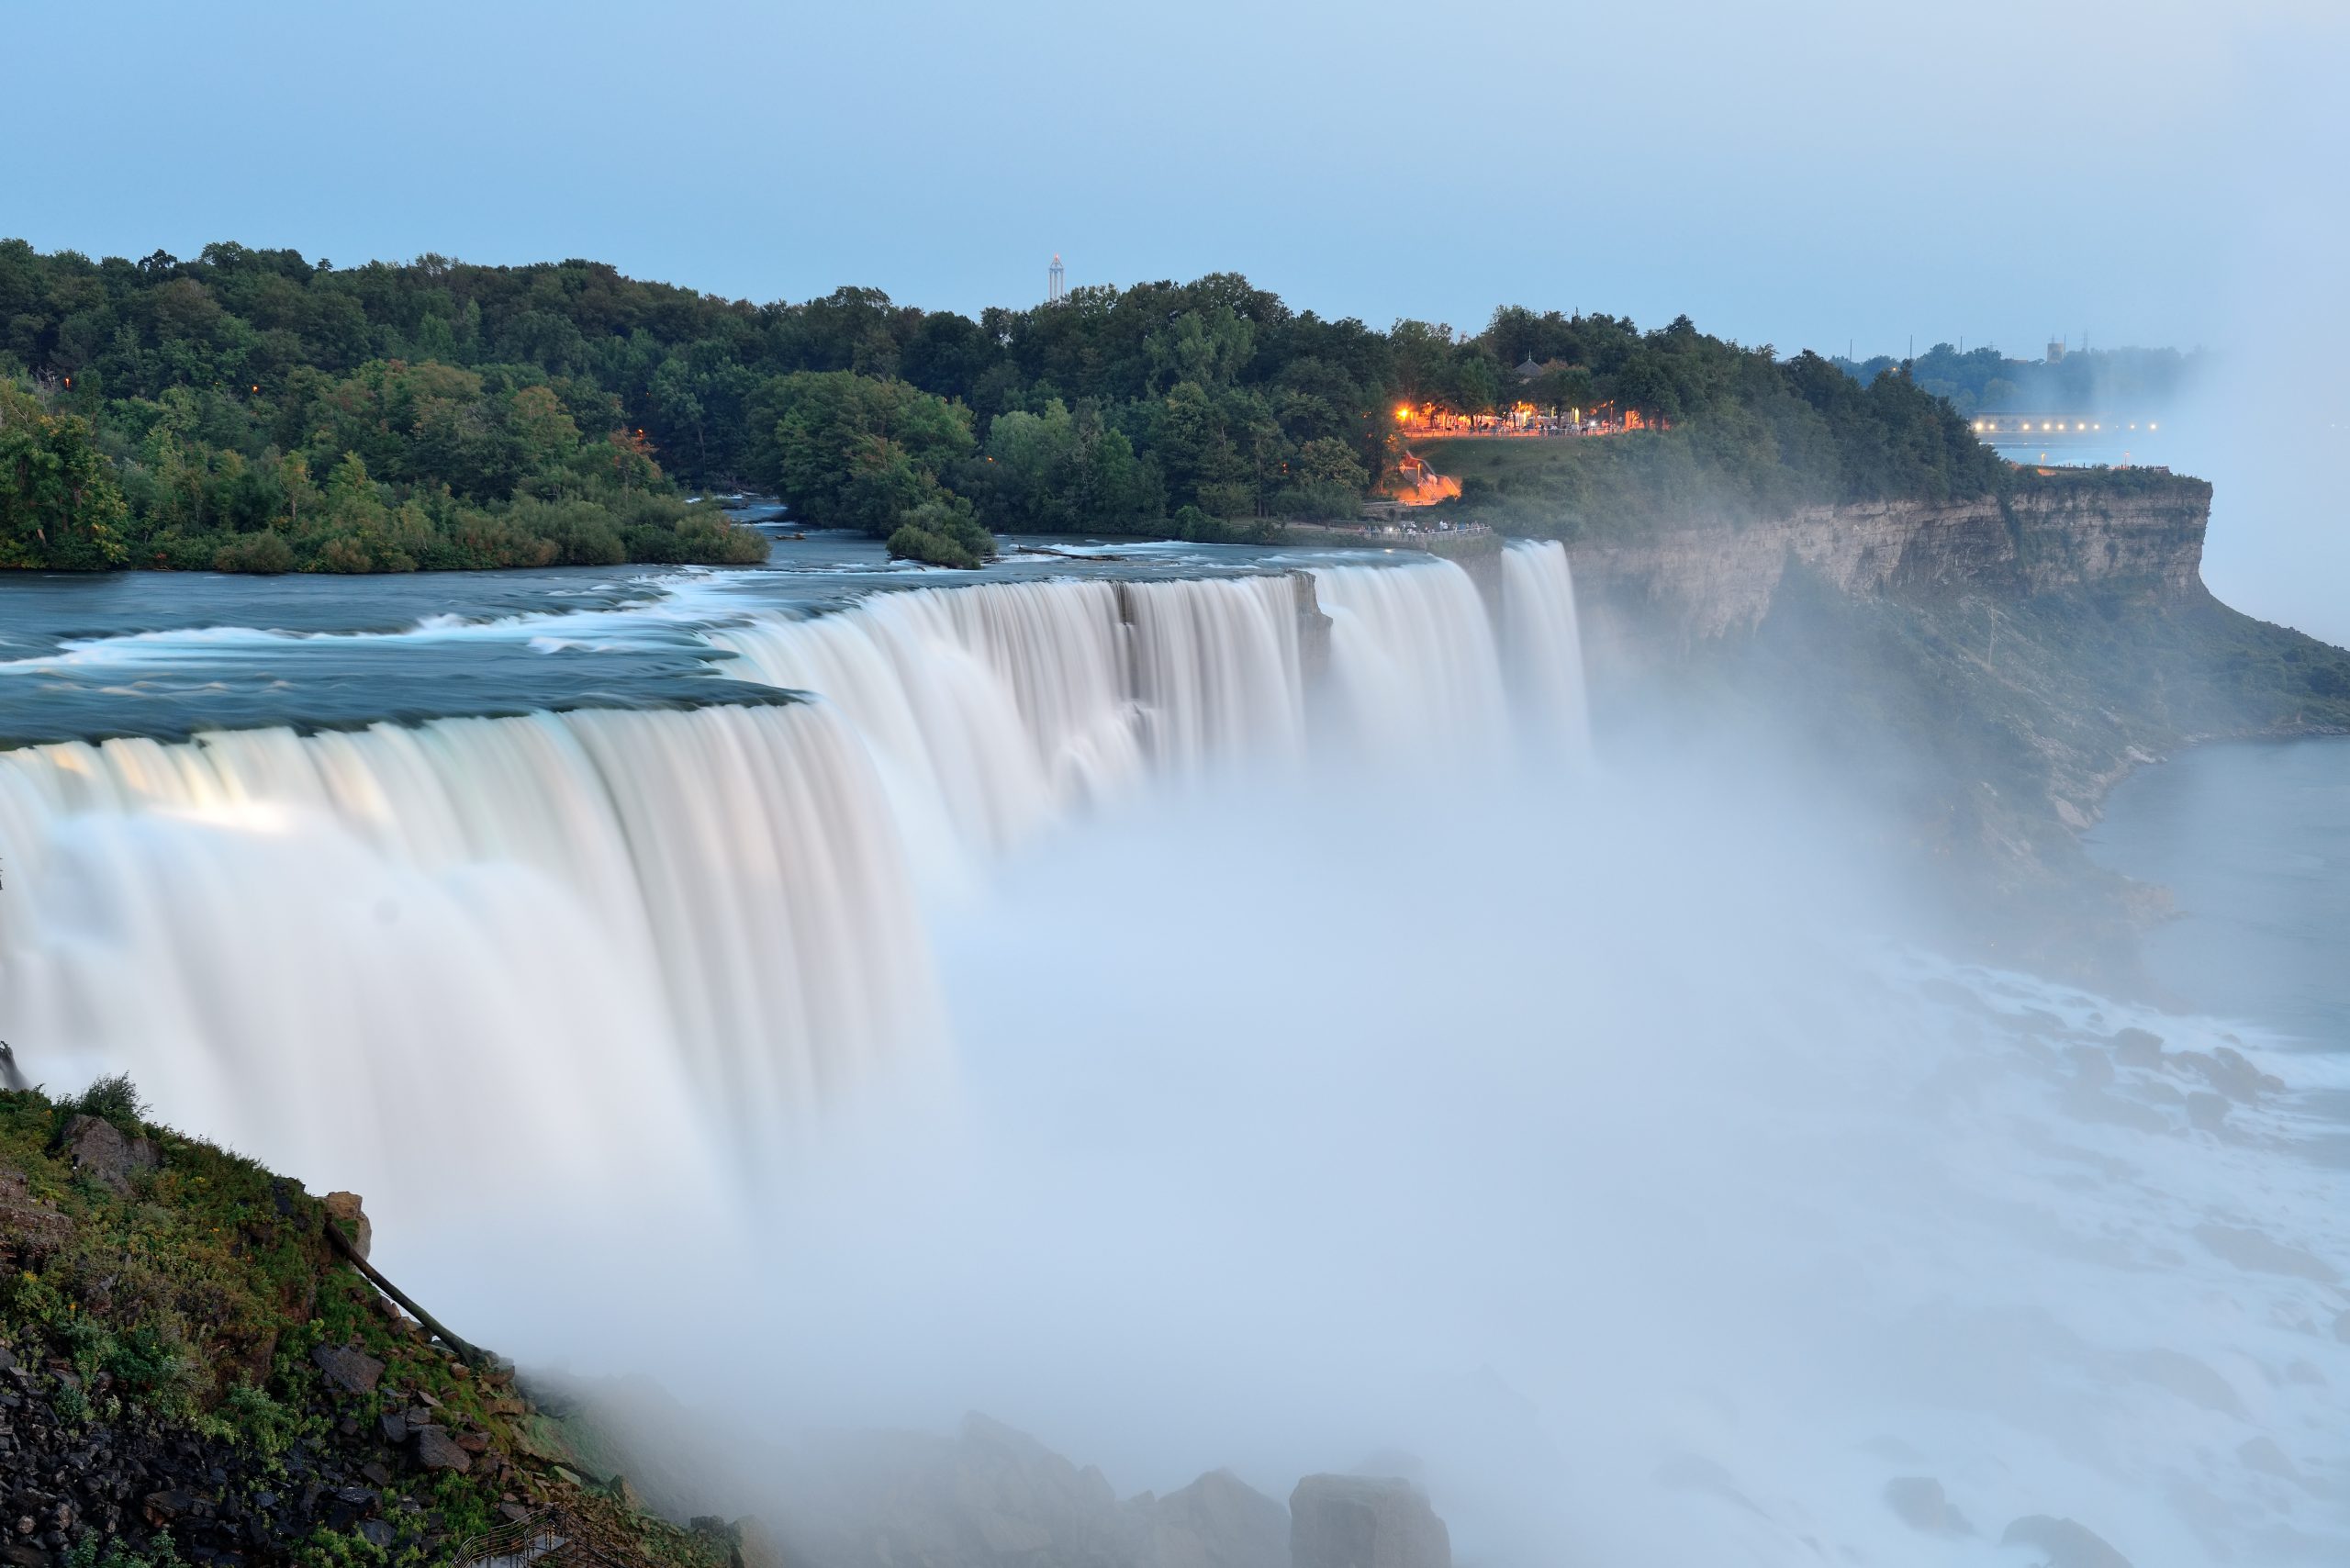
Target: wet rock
[(436, 1451), (2264, 1455), (2092, 1067), (1919, 1500), (98, 1150), (2068, 1543), (1218, 1521), (345, 1207), (1352, 1521), (2138, 1047), (2206, 1112), (2230, 1073), (2252, 1250), (2189, 1379)]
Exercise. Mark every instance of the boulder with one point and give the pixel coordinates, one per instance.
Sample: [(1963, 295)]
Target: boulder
[(1919, 1500), (435, 1450), (2068, 1544), (98, 1150), (1218, 1521), (2138, 1047), (1355, 1521), (351, 1371), (345, 1208)]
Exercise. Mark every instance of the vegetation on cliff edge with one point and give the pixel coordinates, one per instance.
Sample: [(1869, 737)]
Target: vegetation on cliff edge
[(189, 1373)]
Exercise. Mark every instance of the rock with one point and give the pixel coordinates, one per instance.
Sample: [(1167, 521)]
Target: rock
[(2206, 1112), (376, 1475), (345, 1207), (1218, 1521), (395, 1426), (1919, 1500), (163, 1507), (474, 1442), (435, 1450), (1352, 1521), (2138, 1047), (377, 1534), (2068, 1544), (2252, 1250), (2230, 1073), (97, 1148), (2263, 1454), (351, 1371)]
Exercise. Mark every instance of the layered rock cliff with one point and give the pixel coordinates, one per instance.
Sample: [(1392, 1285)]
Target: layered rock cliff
[(1982, 670), (2138, 536)]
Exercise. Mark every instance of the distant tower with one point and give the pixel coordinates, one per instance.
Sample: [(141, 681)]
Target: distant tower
[(1055, 282)]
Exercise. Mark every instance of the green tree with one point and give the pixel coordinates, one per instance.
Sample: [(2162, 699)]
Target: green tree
[(60, 508)]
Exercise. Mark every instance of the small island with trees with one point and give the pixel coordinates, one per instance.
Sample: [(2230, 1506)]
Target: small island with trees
[(254, 411)]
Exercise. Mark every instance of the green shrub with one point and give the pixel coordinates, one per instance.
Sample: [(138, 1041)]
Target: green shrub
[(111, 1099)]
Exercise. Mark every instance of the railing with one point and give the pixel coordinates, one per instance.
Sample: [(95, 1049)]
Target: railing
[(551, 1537)]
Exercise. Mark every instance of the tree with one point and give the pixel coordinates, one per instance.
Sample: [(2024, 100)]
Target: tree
[(60, 508)]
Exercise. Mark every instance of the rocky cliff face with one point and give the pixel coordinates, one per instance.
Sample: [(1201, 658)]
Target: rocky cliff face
[(1974, 675), (2141, 537)]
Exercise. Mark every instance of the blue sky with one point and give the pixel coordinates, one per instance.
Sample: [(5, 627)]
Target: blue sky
[(1800, 173)]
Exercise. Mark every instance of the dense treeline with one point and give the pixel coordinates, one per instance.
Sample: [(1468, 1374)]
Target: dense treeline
[(253, 409)]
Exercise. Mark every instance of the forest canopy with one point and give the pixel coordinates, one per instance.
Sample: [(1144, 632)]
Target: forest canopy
[(254, 410)]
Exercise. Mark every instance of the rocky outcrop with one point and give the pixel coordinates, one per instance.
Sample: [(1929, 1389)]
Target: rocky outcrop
[(1356, 1521), (2141, 536), (1218, 1521), (103, 1152)]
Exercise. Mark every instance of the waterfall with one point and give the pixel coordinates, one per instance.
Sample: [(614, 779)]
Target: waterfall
[(538, 916), (1413, 661), (993, 709), (1542, 643), (519, 928)]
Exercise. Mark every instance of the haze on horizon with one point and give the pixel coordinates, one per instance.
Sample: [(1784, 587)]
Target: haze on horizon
[(1818, 174)]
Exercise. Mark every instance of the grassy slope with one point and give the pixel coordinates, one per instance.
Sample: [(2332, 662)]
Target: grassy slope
[(178, 1320)]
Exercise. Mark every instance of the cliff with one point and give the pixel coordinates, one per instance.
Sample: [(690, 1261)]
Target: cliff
[(2142, 537), (1985, 670)]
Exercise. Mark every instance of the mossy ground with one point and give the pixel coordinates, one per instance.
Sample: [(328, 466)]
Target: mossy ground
[(164, 1405)]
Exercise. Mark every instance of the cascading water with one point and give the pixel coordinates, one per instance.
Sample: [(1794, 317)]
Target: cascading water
[(1414, 660), (617, 917), (1542, 642), (538, 916), (991, 709)]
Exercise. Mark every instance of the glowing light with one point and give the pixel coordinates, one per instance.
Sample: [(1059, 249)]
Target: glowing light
[(2150, 424), (1402, 413)]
